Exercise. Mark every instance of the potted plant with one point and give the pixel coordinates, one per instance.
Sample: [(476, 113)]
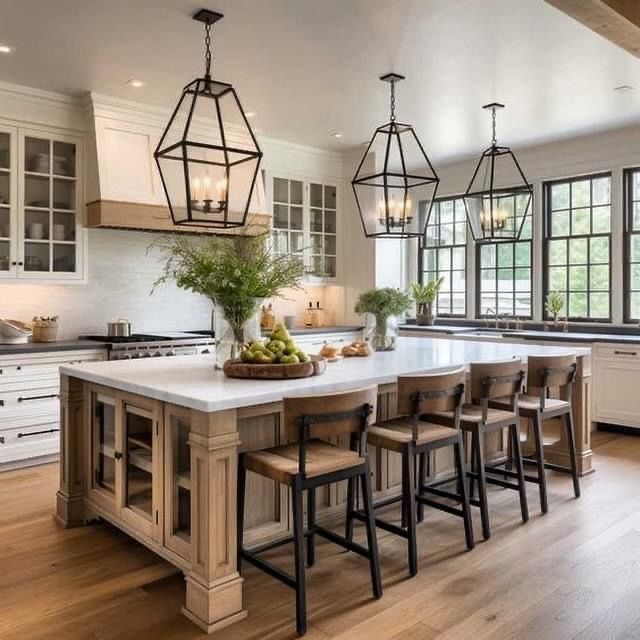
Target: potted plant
[(424, 296), (236, 273), (554, 305), (383, 304)]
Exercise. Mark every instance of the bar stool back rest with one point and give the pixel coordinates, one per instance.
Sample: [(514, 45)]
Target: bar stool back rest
[(551, 372), (426, 394), (306, 417), (490, 380)]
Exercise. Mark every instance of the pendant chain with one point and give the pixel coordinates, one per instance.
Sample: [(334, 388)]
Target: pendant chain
[(207, 55), (393, 101), (493, 127)]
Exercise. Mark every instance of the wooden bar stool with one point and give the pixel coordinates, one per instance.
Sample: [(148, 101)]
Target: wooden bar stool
[(491, 380), (544, 374), (311, 462), (414, 437)]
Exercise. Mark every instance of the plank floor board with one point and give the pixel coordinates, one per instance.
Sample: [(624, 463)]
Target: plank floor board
[(573, 574)]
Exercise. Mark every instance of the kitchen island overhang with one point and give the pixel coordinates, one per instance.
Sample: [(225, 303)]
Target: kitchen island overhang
[(158, 409)]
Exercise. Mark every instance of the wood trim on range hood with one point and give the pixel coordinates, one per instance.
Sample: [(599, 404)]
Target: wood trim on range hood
[(113, 214)]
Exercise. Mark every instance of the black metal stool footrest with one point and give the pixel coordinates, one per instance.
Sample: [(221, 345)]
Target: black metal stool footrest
[(441, 493), (269, 568), (341, 541), (500, 483), (454, 511), (382, 524)]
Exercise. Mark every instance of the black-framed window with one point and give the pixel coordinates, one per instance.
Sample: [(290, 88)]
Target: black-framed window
[(632, 245), (577, 248), (503, 270), (444, 255)]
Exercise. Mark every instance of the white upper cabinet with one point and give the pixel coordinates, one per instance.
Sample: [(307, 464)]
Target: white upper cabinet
[(41, 205), (305, 223)]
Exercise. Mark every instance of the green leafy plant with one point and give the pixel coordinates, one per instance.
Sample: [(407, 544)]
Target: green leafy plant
[(234, 272), (383, 303), (554, 303), (424, 296)]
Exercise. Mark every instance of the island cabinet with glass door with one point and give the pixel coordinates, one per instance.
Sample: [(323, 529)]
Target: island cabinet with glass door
[(41, 204)]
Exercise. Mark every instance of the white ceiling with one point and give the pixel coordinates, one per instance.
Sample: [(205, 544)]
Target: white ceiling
[(309, 68)]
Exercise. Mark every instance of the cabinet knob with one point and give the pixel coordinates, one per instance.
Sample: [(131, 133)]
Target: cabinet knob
[(117, 455)]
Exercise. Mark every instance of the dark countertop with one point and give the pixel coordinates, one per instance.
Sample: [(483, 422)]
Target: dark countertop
[(310, 331), (40, 347), (438, 328), (531, 334)]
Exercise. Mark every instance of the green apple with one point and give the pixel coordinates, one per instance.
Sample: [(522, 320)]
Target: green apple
[(257, 346), (246, 356), (290, 347), (276, 346), (303, 357), (261, 357), (289, 359)]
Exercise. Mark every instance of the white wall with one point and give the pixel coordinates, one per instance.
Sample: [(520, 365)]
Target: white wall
[(121, 276)]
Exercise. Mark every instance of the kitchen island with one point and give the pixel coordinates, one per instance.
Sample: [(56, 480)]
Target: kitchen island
[(151, 446)]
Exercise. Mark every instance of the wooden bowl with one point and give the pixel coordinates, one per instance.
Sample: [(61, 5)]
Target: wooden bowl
[(238, 369)]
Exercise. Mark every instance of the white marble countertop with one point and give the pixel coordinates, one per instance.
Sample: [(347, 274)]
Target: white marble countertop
[(192, 381)]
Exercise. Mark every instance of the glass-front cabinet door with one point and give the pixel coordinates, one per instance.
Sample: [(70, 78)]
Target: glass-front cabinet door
[(50, 205), (8, 204), (105, 456), (142, 465), (177, 481)]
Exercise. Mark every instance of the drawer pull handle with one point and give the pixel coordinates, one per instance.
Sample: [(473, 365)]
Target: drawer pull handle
[(37, 433), (1, 403), (27, 398), (625, 353), (117, 455), (1, 439)]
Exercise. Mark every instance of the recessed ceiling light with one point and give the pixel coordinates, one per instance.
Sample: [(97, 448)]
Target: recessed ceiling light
[(337, 135), (5, 48), (250, 114), (623, 88), (135, 83)]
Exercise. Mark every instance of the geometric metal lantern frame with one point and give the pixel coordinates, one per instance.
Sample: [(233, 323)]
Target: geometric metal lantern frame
[(208, 156), (388, 193), (499, 197)]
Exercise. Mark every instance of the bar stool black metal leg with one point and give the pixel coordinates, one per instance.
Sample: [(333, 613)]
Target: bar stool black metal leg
[(242, 475), (298, 545), (311, 521), (462, 492), (571, 443), (351, 499), (517, 461), (372, 540), (422, 480), (473, 465), (478, 436), (409, 502), (542, 478)]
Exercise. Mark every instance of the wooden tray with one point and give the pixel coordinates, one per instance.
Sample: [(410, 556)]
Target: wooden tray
[(238, 369)]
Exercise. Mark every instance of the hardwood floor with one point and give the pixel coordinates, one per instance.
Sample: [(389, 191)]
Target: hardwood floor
[(572, 574)]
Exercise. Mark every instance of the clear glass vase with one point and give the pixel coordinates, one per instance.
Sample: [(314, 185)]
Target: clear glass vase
[(230, 339), (382, 332)]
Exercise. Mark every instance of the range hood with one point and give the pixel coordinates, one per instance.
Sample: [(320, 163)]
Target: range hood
[(124, 190)]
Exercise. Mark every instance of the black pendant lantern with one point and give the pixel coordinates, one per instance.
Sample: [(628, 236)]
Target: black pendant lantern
[(208, 156), (499, 197), (394, 175)]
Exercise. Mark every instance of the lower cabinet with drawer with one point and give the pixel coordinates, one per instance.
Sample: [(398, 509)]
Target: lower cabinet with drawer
[(30, 406), (617, 384)]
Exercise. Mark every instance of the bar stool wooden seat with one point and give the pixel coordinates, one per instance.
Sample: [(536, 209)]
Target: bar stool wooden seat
[(309, 463), (544, 374), (414, 437), (489, 381)]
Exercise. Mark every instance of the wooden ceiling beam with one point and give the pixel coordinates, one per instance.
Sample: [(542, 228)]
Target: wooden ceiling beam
[(616, 20)]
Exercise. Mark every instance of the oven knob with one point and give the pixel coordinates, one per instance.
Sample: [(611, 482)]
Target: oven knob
[(146, 354), (157, 354), (171, 352), (125, 356), (205, 351), (135, 355)]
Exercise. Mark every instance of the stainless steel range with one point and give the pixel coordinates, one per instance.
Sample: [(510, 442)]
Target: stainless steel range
[(155, 345)]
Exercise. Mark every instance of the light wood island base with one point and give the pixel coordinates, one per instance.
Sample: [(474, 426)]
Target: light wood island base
[(185, 510)]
